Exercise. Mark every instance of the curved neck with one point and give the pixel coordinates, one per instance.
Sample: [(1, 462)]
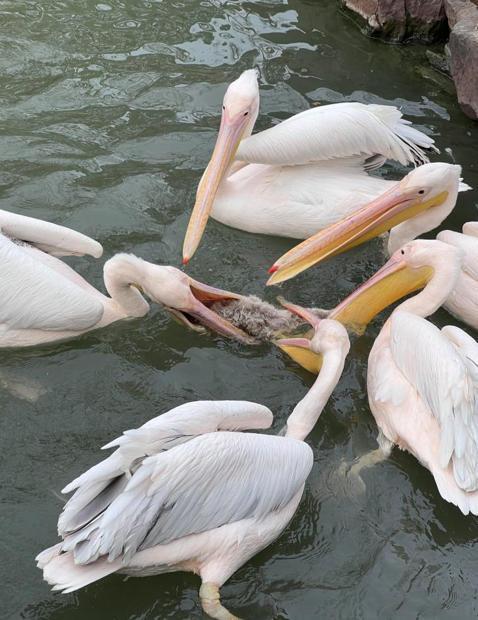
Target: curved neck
[(122, 275), (306, 413), (420, 224), (442, 283)]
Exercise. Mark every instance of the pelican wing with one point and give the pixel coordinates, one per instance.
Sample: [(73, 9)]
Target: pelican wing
[(334, 131), (100, 485), (446, 378), (50, 238), (34, 296), (469, 245), (213, 480)]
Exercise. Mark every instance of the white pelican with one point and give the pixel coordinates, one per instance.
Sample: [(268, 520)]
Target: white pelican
[(462, 302), (188, 492), (423, 382), (416, 196), (43, 299), (410, 207), (301, 175)]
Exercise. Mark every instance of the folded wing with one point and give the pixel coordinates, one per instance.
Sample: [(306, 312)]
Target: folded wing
[(445, 375), (50, 238), (338, 130), (96, 489), (212, 480), (34, 296)]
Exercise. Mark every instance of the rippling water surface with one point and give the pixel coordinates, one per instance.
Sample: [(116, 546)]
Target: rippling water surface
[(108, 112)]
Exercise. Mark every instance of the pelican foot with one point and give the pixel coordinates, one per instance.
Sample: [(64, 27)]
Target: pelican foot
[(351, 473), (351, 479), (211, 602)]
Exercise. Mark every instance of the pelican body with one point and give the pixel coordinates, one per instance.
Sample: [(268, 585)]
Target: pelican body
[(44, 300), (189, 491), (462, 302), (301, 175), (422, 382)]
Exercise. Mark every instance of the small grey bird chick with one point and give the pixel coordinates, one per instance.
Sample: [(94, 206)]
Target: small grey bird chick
[(260, 319)]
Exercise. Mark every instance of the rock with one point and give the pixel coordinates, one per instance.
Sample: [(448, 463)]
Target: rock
[(399, 20), (463, 50), (456, 10), (439, 62)]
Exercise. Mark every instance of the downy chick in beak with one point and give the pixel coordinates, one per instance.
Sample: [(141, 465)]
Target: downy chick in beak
[(416, 204), (190, 301), (240, 108)]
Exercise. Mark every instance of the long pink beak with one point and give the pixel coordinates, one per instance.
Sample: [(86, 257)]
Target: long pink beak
[(228, 139), (388, 210)]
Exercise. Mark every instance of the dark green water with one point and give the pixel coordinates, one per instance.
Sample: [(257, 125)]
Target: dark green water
[(108, 112)]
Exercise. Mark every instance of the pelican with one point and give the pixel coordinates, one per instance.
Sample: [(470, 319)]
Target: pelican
[(422, 382), (408, 208), (462, 302), (426, 196), (43, 299), (188, 491), (301, 175)]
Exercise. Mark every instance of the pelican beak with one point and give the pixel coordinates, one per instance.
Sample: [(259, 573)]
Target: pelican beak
[(198, 315), (299, 348), (228, 139), (394, 280), (388, 210)]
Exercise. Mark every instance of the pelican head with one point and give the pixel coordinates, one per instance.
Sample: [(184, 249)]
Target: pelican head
[(409, 269), (328, 335), (186, 299), (240, 108), (416, 204)]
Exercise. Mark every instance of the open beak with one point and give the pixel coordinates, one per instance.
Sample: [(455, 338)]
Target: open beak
[(228, 139), (198, 315), (388, 210), (299, 348), (393, 281)]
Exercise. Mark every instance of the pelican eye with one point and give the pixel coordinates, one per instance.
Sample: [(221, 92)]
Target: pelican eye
[(421, 191), (402, 252), (246, 113)]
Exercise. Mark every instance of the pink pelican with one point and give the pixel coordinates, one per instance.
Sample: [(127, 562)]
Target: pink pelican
[(301, 175), (426, 196), (408, 208), (422, 382), (188, 491), (43, 299)]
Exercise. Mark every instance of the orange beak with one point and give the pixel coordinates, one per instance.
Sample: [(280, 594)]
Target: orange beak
[(388, 210), (228, 139), (299, 348)]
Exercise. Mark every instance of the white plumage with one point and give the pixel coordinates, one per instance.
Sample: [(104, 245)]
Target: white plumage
[(35, 297), (337, 131), (445, 379), (188, 491), (423, 383), (43, 299), (297, 154), (463, 300)]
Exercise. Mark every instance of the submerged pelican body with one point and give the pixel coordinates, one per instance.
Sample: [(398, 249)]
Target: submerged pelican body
[(301, 175), (188, 491)]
